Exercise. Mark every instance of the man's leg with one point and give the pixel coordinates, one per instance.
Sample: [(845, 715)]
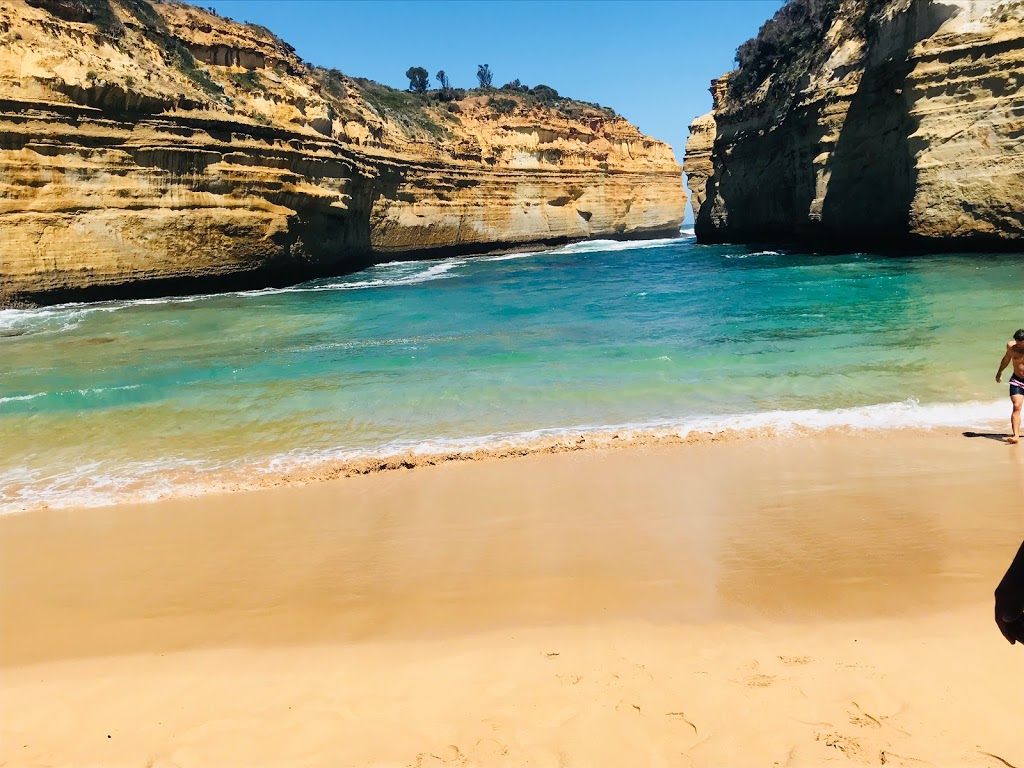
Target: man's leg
[(1018, 401)]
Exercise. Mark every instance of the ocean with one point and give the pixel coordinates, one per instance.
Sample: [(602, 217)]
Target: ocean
[(135, 400)]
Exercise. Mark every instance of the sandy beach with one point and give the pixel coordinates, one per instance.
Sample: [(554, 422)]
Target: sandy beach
[(793, 601)]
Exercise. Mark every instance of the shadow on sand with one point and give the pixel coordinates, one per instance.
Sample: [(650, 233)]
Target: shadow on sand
[(1000, 436)]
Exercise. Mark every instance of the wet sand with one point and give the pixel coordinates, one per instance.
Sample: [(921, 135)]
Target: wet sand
[(789, 601)]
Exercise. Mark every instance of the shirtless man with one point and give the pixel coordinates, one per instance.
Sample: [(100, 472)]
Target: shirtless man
[(1014, 354)]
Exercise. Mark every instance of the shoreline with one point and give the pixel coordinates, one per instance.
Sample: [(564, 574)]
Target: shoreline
[(246, 286), (792, 600), (277, 278), (288, 471)]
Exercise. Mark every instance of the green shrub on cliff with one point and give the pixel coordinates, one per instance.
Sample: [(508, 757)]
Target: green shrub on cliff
[(503, 106), (384, 99), (266, 33), (409, 110), (795, 42), (783, 46), (332, 81), (102, 13), (544, 93), (105, 19), (248, 81), (143, 12), (182, 60)]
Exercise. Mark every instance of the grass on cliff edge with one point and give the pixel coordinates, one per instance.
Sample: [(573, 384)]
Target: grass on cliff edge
[(413, 108)]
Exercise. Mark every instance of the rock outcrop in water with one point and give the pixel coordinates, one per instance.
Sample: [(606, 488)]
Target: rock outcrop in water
[(151, 148), (884, 123)]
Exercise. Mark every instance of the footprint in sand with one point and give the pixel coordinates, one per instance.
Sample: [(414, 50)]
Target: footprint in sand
[(759, 681), (864, 720), (848, 746), (450, 755), (860, 716), (792, 660)]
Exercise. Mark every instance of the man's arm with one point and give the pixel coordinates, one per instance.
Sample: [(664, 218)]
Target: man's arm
[(1006, 361), (1010, 600)]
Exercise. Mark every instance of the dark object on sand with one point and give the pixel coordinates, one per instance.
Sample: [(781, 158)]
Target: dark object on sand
[(1010, 600)]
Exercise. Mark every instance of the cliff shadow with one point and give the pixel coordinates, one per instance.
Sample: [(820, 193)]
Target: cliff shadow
[(767, 184), (873, 173)]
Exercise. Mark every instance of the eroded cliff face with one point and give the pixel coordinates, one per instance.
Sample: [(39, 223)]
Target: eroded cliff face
[(905, 128), (154, 148)]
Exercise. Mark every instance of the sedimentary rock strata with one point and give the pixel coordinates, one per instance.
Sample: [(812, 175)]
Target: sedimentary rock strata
[(155, 147), (900, 124)]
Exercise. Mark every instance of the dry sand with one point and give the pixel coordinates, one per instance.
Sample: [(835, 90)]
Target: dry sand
[(794, 601)]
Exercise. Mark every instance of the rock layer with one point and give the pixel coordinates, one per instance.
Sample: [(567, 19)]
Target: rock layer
[(904, 130), (155, 148)]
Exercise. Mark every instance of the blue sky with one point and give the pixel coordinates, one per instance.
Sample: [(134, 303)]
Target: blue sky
[(651, 61)]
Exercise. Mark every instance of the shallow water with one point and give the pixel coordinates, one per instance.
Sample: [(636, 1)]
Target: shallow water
[(127, 399)]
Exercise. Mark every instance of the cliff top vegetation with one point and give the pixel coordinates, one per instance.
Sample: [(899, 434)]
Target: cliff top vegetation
[(790, 45)]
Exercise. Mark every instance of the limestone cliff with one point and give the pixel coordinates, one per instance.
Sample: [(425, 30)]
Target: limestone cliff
[(149, 148), (894, 123)]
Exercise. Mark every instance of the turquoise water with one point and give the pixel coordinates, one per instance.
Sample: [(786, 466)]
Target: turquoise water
[(107, 401)]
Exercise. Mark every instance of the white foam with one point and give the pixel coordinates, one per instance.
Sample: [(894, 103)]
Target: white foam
[(901, 415), (593, 246), (86, 391), (98, 390), (438, 270), (65, 317), (751, 255), (17, 398), (55, 319), (513, 256), (906, 414), (93, 484)]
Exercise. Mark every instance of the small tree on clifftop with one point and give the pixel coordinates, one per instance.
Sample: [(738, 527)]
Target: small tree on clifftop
[(446, 93), (484, 75), (418, 79)]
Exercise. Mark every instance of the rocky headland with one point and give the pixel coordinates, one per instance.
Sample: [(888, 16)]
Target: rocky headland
[(150, 148), (879, 123)]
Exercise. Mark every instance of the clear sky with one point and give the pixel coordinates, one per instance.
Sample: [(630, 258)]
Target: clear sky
[(650, 60)]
